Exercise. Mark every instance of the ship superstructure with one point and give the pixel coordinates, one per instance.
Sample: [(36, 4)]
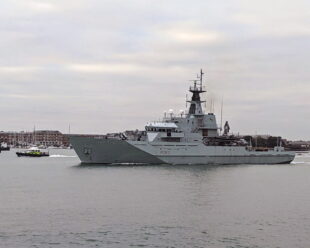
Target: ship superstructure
[(190, 138)]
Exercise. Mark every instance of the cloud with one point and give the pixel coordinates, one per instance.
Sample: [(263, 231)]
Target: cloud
[(114, 65), (41, 6), (274, 26), (101, 68), (18, 69), (190, 36), (274, 18)]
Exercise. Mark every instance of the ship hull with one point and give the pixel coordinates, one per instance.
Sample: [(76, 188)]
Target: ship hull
[(226, 160), (114, 151), (110, 151)]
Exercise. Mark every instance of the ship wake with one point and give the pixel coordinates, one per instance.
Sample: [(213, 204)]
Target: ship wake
[(61, 156)]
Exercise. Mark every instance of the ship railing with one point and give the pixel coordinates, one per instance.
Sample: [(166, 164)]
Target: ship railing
[(197, 88)]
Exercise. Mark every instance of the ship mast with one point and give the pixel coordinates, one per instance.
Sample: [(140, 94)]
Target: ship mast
[(195, 103)]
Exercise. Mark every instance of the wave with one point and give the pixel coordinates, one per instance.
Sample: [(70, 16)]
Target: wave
[(306, 155), (61, 156), (298, 162)]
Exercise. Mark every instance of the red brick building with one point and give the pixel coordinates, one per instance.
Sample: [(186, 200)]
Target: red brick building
[(40, 137)]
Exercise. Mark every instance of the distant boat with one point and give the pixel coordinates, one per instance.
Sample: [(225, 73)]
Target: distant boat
[(54, 147), (4, 147), (33, 152)]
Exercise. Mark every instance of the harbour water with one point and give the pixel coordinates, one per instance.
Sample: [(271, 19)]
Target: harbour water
[(56, 202)]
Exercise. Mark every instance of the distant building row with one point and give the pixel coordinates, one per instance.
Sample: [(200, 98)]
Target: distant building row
[(40, 137)]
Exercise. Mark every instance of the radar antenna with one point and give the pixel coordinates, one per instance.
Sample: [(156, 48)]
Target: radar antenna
[(201, 75)]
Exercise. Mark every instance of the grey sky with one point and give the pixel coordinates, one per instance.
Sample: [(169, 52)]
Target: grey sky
[(113, 65)]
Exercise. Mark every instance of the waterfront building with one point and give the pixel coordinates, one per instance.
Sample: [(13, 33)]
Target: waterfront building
[(45, 138)]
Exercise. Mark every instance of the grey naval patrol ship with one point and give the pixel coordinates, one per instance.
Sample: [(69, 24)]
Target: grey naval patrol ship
[(190, 138)]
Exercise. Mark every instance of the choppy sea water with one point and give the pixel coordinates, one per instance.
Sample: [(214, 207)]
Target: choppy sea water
[(56, 202)]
